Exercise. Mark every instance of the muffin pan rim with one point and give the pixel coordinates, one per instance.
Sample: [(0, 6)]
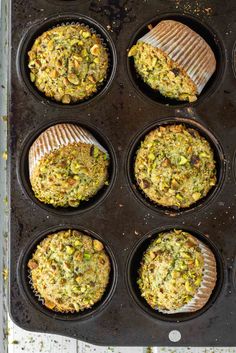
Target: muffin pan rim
[(204, 132), (175, 318), (101, 195), (30, 296), (30, 34), (204, 96), (64, 2)]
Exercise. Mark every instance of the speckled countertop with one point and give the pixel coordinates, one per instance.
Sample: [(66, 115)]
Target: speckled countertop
[(12, 338)]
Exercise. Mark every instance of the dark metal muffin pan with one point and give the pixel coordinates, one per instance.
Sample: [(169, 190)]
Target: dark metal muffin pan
[(122, 112)]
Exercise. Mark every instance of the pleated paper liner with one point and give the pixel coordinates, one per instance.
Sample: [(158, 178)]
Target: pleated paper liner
[(207, 285), (186, 48), (42, 300), (56, 137)]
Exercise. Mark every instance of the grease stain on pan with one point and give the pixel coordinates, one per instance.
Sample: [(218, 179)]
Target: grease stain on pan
[(117, 14)]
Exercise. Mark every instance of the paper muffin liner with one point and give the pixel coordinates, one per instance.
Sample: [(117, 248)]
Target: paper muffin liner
[(42, 301), (56, 137), (186, 48), (207, 285)]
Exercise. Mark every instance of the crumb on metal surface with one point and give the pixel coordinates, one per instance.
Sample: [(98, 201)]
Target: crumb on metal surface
[(5, 200), (194, 7), (5, 273), (4, 155), (109, 28)]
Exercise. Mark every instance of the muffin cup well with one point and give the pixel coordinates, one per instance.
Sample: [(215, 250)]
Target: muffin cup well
[(57, 136), (201, 29), (44, 25), (186, 48), (218, 156), (24, 174), (25, 283), (133, 265)]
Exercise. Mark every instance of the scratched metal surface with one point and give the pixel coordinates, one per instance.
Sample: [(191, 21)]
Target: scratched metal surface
[(12, 338)]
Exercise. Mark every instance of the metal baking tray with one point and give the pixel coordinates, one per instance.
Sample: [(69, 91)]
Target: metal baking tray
[(119, 115)]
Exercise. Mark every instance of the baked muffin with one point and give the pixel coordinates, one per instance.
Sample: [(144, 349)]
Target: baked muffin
[(174, 60), (175, 166), (67, 165), (177, 273), (68, 63), (69, 271)]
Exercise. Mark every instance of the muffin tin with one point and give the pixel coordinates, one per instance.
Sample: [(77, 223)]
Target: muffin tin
[(119, 115)]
